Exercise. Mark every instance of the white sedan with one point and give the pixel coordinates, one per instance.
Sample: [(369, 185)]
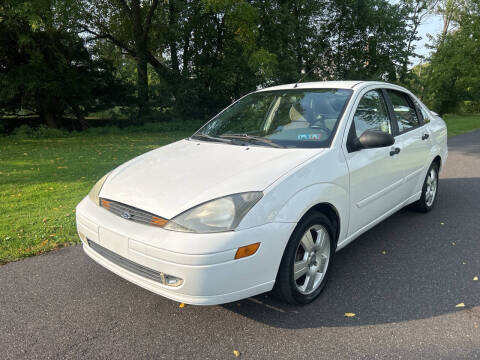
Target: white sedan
[(264, 194)]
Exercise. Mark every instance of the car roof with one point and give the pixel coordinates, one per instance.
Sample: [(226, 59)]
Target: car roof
[(325, 85)]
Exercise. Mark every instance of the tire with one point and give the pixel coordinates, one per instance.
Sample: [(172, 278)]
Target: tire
[(312, 259), (429, 190)]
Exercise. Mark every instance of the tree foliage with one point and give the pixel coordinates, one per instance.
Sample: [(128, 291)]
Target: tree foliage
[(452, 74), (49, 71), (187, 59)]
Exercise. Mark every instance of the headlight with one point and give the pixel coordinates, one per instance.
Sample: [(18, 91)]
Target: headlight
[(93, 194), (218, 215)]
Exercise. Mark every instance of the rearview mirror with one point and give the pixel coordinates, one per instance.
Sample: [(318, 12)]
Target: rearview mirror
[(372, 139)]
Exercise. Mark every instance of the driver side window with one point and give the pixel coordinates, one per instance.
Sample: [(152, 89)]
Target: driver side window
[(371, 114)]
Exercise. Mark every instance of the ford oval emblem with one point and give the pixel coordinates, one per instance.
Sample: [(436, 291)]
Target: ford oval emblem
[(126, 215)]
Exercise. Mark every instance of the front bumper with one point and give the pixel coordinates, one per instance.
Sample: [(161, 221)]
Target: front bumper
[(205, 262)]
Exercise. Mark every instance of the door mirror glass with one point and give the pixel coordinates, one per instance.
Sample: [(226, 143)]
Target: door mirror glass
[(372, 139)]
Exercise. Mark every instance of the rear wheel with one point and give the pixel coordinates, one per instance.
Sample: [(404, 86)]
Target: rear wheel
[(307, 260), (429, 190)]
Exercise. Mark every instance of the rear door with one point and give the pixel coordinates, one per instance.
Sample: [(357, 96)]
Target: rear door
[(375, 175), (412, 137)]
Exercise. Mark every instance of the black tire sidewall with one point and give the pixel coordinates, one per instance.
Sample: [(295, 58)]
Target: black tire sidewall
[(423, 199), (285, 284)]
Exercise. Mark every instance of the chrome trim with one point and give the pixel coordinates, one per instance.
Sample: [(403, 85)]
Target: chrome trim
[(129, 212)]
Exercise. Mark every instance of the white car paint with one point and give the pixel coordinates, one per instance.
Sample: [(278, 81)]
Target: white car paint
[(363, 187)]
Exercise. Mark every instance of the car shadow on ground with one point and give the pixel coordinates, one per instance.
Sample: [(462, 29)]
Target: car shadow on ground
[(411, 266)]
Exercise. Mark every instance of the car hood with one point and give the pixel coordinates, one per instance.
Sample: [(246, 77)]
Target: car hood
[(178, 176)]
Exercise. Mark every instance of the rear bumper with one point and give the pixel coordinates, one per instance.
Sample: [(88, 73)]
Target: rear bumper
[(205, 262)]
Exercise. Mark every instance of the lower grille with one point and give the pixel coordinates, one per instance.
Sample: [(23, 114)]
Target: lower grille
[(127, 264)]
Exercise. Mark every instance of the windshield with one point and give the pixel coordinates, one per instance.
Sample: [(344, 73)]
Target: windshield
[(282, 118)]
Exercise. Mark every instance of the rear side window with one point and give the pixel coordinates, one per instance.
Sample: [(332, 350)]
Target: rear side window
[(371, 114), (403, 110), (424, 115)]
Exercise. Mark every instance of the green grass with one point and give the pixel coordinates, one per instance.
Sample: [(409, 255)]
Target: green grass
[(459, 124), (42, 180)]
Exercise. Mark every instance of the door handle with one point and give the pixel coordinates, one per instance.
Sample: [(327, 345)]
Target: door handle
[(425, 136), (394, 151)]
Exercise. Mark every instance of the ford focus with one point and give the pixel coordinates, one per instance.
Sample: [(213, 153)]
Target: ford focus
[(265, 193)]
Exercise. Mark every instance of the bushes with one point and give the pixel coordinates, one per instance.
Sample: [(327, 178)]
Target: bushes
[(43, 132)]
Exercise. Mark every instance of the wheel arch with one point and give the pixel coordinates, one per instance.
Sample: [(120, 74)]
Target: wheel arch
[(330, 211), (438, 160)]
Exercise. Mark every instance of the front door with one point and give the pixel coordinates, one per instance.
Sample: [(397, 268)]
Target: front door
[(375, 174)]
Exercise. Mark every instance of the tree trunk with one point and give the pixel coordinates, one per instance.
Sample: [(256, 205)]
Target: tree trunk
[(47, 113), (79, 115), (172, 38), (142, 81), (49, 119), (140, 39)]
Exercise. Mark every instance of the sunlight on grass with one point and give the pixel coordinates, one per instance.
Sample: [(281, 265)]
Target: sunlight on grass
[(459, 124), (41, 182)]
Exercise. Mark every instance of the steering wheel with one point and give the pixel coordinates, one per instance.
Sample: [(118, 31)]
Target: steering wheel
[(320, 124)]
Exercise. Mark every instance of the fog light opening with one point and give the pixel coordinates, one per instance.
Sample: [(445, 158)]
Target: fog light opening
[(248, 250), (170, 280)]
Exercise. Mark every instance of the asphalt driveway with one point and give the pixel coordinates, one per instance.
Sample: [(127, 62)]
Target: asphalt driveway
[(402, 279)]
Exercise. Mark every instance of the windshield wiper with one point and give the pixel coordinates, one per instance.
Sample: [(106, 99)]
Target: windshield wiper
[(210, 138), (248, 138)]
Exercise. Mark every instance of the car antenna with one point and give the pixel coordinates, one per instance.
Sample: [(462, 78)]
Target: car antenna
[(304, 76)]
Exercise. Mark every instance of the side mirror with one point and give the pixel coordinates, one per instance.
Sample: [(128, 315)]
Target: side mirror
[(372, 139)]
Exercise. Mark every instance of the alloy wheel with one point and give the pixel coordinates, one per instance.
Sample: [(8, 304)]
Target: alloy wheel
[(311, 259), (431, 189)]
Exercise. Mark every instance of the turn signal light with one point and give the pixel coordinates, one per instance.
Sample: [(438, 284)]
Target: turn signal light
[(248, 250), (158, 221), (105, 204)]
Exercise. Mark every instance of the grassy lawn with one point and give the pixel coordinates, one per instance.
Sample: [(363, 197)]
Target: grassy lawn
[(459, 124), (41, 182)]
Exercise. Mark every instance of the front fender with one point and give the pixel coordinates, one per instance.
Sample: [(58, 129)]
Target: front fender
[(303, 200)]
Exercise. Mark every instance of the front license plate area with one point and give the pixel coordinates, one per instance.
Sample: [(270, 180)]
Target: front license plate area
[(113, 241)]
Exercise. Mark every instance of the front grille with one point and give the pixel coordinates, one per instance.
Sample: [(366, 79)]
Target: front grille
[(130, 213), (127, 264)]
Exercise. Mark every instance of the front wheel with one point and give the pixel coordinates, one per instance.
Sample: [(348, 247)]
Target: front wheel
[(307, 260)]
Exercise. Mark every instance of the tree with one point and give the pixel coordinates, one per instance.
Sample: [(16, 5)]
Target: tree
[(418, 11), (128, 25), (453, 73), (449, 10), (47, 70), (367, 40)]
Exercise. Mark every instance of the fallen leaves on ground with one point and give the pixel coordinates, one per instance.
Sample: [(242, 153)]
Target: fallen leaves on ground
[(181, 306), (236, 353)]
